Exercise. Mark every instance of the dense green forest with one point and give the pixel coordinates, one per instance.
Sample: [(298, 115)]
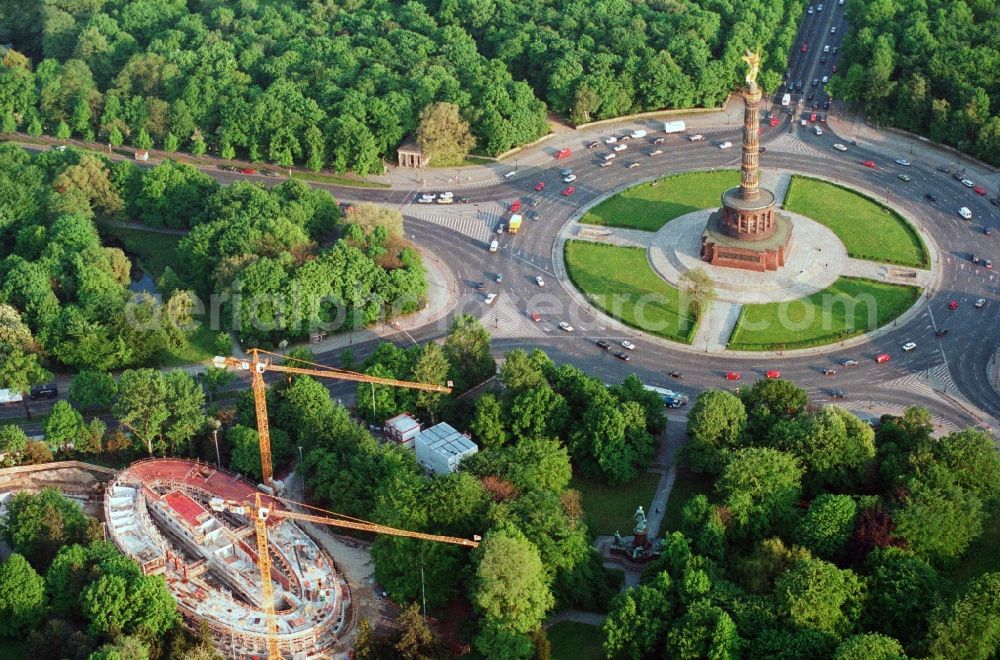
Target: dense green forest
[(819, 537), (932, 67), (275, 263), (340, 84)]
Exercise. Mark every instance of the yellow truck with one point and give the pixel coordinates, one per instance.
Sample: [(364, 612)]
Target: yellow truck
[(515, 223)]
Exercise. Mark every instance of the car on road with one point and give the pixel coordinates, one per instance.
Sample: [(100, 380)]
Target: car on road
[(481, 286), (817, 130), (622, 355), (659, 140), (656, 152), (833, 29), (882, 357), (534, 215), (248, 170), (810, 11), (725, 145), (593, 145), (988, 263), (834, 50), (539, 281), (446, 200), (620, 147), (829, 372), (773, 121), (536, 317), (499, 278), (733, 375), (979, 190), (826, 49), (909, 346), (566, 171), (46, 391), (980, 302), (609, 156), (953, 305), (464, 200), (903, 162), (516, 206), (565, 326), (494, 246), (838, 394), (490, 297), (568, 190), (823, 59), (426, 200), (697, 137), (610, 139), (625, 138), (569, 179), (965, 213), (540, 186), (606, 163), (930, 197), (632, 165), (606, 345), (942, 168), (850, 363), (904, 178), (968, 183), (627, 344), (974, 258), (501, 228), (868, 163), (676, 374), (988, 231), (839, 147), (772, 373), (815, 82), (995, 201), (804, 48)]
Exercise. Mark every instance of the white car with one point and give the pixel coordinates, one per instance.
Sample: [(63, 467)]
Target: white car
[(839, 147), (725, 145), (606, 163), (621, 147), (833, 30), (965, 213), (629, 345), (826, 49), (610, 140), (817, 130), (609, 156), (825, 80), (656, 152), (980, 302), (570, 178), (904, 177), (425, 200), (500, 229), (903, 162), (909, 346), (967, 183), (565, 326), (539, 281), (447, 194), (697, 137), (490, 297)]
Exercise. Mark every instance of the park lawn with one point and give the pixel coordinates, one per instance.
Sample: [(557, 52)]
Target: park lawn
[(153, 251), (982, 556), (620, 281), (859, 222), (576, 641), (610, 508), (649, 206), (200, 347), (842, 310), (337, 180), (687, 484)]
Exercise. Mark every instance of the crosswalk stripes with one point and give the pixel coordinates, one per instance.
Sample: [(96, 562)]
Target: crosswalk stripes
[(793, 143), (506, 321), (926, 383), (476, 228)]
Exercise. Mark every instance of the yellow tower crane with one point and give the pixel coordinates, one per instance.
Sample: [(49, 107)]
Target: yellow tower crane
[(257, 363)]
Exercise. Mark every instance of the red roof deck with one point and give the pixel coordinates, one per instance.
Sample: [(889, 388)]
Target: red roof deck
[(192, 512)]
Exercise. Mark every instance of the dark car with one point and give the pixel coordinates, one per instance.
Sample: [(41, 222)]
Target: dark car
[(838, 394), (815, 105), (810, 97), (829, 372), (533, 215), (606, 345), (622, 355), (942, 168), (995, 201), (975, 258), (798, 85), (47, 391), (826, 105), (676, 374), (815, 82), (988, 231), (930, 197), (481, 286), (464, 200)]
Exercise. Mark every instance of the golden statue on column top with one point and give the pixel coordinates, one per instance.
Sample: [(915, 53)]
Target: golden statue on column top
[(753, 59)]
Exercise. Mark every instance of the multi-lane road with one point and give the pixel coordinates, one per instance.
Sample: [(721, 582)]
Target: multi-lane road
[(459, 236)]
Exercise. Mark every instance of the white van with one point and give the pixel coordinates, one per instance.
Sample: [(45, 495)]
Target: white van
[(509, 175), (638, 134), (490, 298), (819, 131), (494, 246)]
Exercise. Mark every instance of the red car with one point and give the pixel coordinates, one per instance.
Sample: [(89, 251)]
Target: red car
[(773, 373), (563, 153), (953, 305), (248, 170), (812, 117), (979, 190), (540, 186), (536, 317), (733, 375), (883, 357), (568, 191), (834, 68), (805, 48), (773, 121), (516, 206), (868, 163)]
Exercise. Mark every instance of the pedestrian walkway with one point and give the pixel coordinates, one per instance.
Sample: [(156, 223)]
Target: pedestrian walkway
[(717, 326), (887, 273)]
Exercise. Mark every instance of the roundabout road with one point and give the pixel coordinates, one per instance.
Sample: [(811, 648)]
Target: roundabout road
[(956, 363)]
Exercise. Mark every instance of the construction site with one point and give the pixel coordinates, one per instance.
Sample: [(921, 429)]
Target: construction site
[(177, 518)]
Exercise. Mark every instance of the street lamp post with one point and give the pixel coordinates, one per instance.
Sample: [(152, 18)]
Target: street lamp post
[(215, 439), (300, 453)]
